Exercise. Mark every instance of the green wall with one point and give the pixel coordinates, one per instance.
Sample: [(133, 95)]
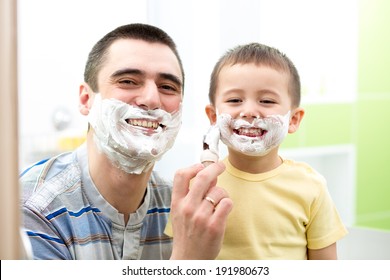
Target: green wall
[(364, 123), (373, 115)]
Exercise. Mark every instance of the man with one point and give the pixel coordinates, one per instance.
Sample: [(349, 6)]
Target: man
[(103, 200)]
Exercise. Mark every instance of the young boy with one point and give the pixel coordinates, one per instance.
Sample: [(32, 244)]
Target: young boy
[(282, 209)]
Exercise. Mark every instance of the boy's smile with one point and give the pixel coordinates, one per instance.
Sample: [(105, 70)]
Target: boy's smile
[(250, 132)]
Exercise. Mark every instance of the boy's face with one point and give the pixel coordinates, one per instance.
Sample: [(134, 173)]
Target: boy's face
[(248, 91), (254, 109)]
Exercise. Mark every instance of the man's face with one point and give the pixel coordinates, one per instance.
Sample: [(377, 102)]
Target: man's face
[(142, 74), (136, 116)]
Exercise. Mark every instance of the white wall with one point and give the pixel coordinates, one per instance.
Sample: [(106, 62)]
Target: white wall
[(55, 38)]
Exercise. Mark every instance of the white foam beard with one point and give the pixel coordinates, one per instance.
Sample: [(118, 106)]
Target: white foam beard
[(119, 135), (264, 134)]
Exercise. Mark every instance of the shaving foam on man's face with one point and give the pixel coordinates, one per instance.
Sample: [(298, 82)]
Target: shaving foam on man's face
[(132, 138), (253, 139)]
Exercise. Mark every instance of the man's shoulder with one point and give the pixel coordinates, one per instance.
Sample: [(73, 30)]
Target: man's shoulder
[(160, 182), (161, 190), (45, 183)]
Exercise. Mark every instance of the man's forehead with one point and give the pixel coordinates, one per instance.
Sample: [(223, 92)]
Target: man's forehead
[(140, 54)]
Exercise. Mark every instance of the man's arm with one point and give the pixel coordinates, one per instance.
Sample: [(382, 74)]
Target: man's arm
[(45, 242)]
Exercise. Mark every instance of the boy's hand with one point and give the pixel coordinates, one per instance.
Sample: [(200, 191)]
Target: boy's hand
[(199, 213)]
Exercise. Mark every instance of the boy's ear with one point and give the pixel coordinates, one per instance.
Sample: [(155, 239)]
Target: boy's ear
[(295, 120), (211, 113)]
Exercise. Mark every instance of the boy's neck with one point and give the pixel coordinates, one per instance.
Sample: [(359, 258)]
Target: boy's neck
[(253, 164)]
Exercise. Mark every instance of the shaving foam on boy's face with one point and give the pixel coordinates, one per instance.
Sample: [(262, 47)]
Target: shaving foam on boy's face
[(132, 138), (253, 139)]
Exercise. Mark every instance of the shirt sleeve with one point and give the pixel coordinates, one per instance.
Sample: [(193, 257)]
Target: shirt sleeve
[(45, 241), (325, 226)]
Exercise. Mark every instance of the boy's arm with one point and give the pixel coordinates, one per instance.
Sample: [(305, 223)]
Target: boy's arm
[(327, 253)]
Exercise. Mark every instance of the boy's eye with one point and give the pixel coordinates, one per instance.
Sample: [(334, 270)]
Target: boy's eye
[(266, 101), (234, 100)]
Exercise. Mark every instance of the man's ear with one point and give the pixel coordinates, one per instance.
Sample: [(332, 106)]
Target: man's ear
[(295, 120), (85, 99), (211, 113)]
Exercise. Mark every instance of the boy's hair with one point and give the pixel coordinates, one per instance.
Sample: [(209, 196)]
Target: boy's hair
[(260, 55), (145, 32)]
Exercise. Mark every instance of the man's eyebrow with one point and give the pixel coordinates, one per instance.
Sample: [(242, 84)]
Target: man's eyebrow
[(135, 71), (172, 78), (125, 71)]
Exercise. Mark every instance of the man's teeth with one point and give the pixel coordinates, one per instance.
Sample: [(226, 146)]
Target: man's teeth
[(144, 123)]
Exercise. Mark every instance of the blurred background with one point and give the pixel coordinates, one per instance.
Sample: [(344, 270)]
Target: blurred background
[(339, 47)]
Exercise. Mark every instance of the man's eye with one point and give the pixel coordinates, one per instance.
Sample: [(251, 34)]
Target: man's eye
[(168, 87), (127, 82)]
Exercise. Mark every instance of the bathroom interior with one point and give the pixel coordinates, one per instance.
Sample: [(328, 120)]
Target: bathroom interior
[(339, 47)]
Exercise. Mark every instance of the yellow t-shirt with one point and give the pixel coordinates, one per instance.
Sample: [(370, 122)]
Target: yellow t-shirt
[(278, 214)]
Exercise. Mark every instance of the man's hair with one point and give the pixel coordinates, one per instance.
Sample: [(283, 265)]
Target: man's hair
[(259, 55), (138, 31)]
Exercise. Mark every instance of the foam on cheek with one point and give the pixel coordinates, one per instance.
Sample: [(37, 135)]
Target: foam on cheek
[(132, 149), (275, 125)]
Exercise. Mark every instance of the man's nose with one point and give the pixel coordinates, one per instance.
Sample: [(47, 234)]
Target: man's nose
[(149, 97)]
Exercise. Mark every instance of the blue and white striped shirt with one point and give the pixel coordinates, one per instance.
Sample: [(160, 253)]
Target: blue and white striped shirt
[(66, 217)]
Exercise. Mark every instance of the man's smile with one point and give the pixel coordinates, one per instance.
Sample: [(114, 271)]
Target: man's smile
[(144, 123)]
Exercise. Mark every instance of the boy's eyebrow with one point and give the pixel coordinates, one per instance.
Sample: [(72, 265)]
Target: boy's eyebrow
[(134, 71)]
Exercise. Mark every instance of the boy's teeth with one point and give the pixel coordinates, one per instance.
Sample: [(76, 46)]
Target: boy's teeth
[(253, 132)]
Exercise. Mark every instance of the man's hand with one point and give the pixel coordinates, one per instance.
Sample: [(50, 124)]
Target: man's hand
[(199, 213)]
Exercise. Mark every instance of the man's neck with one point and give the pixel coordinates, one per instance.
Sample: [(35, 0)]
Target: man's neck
[(122, 190)]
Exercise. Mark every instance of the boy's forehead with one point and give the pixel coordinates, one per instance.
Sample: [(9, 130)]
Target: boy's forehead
[(253, 69), (253, 78)]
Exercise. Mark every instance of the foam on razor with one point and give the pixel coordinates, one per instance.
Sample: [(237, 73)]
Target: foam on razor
[(210, 153)]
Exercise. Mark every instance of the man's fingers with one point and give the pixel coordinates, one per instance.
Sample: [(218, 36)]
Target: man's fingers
[(214, 196), (182, 180), (205, 180), (222, 210)]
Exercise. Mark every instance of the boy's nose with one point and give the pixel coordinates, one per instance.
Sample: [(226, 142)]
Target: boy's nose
[(250, 112), (249, 115), (149, 97)]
